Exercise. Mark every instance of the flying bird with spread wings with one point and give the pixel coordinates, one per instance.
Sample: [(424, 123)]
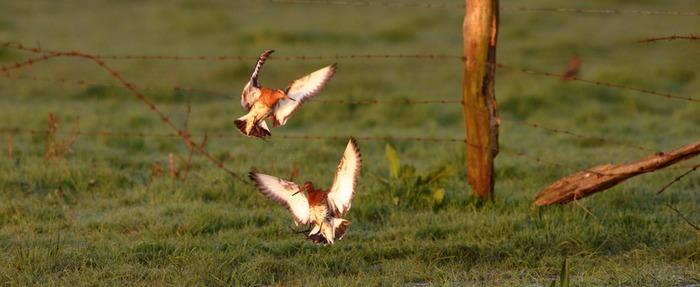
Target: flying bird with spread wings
[(278, 105), (322, 208)]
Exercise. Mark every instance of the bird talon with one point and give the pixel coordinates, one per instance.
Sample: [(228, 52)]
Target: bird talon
[(298, 231)]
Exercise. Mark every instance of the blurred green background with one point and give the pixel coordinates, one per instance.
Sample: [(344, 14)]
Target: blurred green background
[(103, 215)]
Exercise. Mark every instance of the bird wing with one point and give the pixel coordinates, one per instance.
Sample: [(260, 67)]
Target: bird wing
[(251, 91), (283, 192), (343, 189), (299, 91)]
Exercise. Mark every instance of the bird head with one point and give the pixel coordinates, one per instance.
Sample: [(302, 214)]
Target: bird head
[(282, 95), (308, 187)]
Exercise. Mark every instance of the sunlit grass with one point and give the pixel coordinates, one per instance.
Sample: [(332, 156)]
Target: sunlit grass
[(116, 211)]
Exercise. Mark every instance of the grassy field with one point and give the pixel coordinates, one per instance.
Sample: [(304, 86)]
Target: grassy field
[(109, 211)]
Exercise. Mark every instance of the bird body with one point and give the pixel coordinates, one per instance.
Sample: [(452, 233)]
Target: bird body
[(322, 208), (327, 227), (278, 105), (253, 123)]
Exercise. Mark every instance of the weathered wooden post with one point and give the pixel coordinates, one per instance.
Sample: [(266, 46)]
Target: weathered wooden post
[(602, 177), (480, 31)]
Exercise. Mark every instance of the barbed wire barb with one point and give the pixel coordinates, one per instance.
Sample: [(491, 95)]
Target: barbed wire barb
[(677, 179), (669, 38)]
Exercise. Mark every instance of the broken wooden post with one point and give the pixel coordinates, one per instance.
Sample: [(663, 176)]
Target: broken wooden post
[(599, 178), (480, 30)]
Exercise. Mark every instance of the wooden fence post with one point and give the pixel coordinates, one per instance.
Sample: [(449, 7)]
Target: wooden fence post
[(480, 31), (602, 177)]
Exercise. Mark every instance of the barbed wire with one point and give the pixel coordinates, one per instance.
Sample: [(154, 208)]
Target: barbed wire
[(371, 138), (387, 102), (678, 178), (18, 46), (540, 160), (182, 133), (367, 3), (337, 101), (37, 50), (507, 150), (582, 137), (463, 6), (392, 102), (185, 135), (29, 62), (599, 83), (284, 58), (134, 89), (53, 54), (358, 102), (669, 38), (603, 11), (224, 135), (221, 135), (225, 95), (81, 82)]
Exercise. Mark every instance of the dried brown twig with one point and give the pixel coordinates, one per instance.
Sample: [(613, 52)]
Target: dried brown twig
[(157, 170), (57, 149)]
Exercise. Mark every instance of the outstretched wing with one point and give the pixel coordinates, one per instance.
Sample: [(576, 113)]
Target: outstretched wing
[(251, 91), (299, 91), (283, 192), (343, 189)]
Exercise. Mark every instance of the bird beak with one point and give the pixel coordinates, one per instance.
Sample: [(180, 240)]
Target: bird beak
[(300, 190), (303, 188)]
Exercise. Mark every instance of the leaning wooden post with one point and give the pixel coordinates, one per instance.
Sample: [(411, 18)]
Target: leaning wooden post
[(602, 177), (480, 31)]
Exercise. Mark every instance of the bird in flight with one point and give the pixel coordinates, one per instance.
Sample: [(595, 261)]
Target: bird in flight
[(278, 105), (322, 208)]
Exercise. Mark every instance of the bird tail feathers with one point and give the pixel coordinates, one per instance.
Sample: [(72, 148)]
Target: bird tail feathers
[(259, 131)]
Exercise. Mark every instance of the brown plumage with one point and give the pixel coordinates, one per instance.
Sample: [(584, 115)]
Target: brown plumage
[(278, 105), (309, 205)]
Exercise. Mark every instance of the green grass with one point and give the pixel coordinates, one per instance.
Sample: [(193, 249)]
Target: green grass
[(101, 215)]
